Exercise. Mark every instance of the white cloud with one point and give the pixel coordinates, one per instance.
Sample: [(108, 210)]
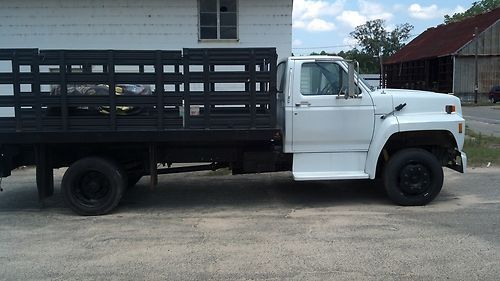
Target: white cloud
[(324, 15), (297, 42), (311, 9), (458, 9), (367, 11), (383, 16), (352, 18), (374, 10), (311, 14), (298, 24), (431, 12), (366, 7), (320, 25), (424, 12)]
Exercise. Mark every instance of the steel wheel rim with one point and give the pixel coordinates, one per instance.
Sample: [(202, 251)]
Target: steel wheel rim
[(92, 189), (415, 179)]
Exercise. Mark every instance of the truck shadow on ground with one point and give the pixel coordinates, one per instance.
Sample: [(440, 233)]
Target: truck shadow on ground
[(250, 191), (200, 192)]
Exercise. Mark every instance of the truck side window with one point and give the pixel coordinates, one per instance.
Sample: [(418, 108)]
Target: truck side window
[(281, 77), (322, 78)]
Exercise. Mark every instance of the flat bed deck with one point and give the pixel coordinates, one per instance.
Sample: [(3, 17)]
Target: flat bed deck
[(197, 94)]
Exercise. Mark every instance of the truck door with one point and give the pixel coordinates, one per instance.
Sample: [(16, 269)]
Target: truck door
[(323, 119), (330, 134)]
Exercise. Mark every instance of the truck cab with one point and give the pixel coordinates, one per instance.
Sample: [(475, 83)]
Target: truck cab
[(337, 128)]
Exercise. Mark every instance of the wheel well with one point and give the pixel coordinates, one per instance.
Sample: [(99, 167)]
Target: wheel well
[(441, 143)]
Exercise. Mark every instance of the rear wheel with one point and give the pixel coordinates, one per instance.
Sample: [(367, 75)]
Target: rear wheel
[(413, 177), (93, 186)]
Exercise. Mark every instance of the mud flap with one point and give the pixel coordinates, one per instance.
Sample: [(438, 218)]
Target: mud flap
[(44, 172), (153, 168)]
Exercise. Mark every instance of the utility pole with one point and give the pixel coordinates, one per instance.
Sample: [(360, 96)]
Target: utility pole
[(476, 84), (382, 78)]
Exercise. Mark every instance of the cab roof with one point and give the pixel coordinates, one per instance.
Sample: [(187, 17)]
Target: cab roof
[(317, 58), (332, 58)]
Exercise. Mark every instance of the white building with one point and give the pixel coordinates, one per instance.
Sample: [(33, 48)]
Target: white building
[(146, 24)]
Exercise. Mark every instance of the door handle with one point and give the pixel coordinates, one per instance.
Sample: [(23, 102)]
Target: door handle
[(305, 103)]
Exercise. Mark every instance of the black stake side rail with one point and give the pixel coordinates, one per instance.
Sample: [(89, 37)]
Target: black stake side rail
[(190, 90)]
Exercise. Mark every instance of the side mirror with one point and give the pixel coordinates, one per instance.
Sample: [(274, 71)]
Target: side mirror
[(353, 70), (352, 87)]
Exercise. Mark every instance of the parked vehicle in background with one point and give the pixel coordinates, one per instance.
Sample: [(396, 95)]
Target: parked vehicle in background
[(494, 94), (234, 108)]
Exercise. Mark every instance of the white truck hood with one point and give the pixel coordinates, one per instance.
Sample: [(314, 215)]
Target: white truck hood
[(417, 102)]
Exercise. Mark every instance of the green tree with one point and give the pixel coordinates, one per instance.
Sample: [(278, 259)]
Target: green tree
[(377, 42), (367, 63), (322, 53), (477, 8)]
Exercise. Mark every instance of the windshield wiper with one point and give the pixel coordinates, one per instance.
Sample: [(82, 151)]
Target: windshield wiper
[(397, 108)]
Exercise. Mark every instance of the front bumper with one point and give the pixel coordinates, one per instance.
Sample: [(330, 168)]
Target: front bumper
[(463, 160), (458, 162)]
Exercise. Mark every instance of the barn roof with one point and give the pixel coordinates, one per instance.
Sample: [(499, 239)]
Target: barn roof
[(444, 40)]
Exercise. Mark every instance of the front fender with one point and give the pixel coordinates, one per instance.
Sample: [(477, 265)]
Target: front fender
[(434, 121), (384, 129)]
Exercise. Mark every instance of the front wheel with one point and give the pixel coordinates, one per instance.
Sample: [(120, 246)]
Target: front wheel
[(413, 177), (93, 186)]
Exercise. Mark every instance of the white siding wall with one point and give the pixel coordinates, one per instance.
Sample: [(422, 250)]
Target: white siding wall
[(136, 24)]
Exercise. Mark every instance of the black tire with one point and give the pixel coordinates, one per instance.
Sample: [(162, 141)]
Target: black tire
[(93, 186), (413, 177)]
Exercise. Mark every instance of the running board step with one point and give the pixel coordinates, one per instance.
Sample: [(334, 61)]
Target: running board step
[(329, 166), (311, 176)]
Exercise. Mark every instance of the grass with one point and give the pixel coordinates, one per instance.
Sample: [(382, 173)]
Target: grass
[(481, 149)]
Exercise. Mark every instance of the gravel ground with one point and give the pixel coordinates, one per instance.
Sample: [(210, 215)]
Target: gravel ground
[(200, 227)]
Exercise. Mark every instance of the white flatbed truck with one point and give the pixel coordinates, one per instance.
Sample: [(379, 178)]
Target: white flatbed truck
[(310, 115)]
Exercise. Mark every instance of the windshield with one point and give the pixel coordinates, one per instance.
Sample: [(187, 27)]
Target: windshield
[(368, 87)]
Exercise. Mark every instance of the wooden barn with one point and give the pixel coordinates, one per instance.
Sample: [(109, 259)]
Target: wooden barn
[(443, 58)]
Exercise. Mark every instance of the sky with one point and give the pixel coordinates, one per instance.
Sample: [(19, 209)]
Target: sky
[(325, 24)]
